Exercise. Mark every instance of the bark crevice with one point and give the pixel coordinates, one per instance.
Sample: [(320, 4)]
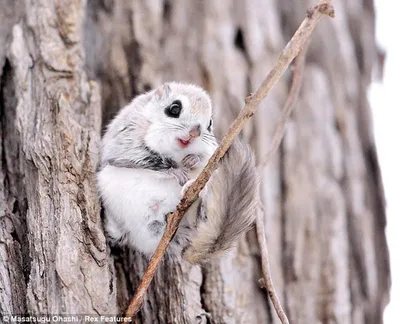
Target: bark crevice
[(323, 195)]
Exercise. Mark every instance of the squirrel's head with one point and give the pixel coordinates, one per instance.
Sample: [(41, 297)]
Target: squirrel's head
[(180, 121)]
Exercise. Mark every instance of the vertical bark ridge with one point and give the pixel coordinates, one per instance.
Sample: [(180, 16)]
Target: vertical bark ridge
[(322, 194)]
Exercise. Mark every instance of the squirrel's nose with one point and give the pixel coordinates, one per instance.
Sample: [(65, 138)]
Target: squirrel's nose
[(195, 131)]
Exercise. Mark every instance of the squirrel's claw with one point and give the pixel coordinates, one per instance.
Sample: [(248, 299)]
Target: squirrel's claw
[(190, 161), (179, 174)]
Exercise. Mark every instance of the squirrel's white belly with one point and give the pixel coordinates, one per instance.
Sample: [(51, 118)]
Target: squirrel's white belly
[(136, 202)]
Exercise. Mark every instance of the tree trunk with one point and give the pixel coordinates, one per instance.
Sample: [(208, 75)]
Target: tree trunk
[(66, 68)]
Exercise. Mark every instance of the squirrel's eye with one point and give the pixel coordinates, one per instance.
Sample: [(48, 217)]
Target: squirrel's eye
[(174, 109), (209, 126)]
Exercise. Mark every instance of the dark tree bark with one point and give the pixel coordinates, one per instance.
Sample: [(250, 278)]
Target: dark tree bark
[(66, 68)]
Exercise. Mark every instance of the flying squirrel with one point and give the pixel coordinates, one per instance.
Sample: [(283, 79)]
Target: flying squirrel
[(151, 152)]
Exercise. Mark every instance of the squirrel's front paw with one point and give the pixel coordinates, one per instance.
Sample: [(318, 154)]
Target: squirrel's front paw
[(186, 187), (179, 174), (190, 161)]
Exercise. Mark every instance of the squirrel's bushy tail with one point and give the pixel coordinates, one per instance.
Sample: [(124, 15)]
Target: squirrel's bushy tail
[(227, 207)]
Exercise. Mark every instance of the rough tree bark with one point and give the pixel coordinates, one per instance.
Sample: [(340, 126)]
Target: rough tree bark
[(66, 68)]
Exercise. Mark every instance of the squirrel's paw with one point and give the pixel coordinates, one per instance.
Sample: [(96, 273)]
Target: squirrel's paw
[(179, 174), (186, 186), (190, 161)]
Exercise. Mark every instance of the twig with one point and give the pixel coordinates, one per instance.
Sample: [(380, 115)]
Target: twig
[(291, 100), (266, 281), (291, 50)]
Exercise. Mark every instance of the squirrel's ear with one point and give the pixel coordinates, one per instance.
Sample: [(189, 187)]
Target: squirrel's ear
[(163, 92)]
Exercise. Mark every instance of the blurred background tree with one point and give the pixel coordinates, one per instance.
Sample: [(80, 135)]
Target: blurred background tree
[(66, 68)]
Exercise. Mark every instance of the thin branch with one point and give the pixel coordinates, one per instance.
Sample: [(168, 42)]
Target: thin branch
[(291, 50), (266, 281), (297, 76)]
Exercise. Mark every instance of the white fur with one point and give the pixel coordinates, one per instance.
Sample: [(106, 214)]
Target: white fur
[(159, 131), (129, 194)]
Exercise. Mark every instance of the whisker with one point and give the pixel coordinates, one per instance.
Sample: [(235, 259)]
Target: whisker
[(175, 126), (208, 141), (208, 136), (169, 127), (211, 138)]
